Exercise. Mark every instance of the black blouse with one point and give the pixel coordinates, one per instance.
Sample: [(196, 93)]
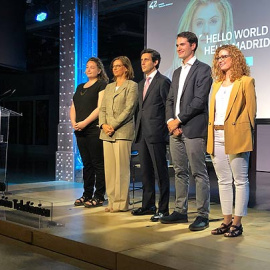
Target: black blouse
[(85, 101)]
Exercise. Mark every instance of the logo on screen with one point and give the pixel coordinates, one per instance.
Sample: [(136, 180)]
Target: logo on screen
[(153, 4)]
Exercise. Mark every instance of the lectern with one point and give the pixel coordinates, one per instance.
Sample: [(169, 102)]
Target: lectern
[(4, 133)]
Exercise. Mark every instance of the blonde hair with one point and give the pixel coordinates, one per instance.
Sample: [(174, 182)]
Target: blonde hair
[(239, 66), (126, 62), (185, 23)]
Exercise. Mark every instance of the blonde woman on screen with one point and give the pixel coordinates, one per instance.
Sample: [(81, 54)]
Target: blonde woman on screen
[(206, 18)]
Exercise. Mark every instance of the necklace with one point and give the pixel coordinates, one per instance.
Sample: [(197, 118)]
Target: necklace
[(83, 91)]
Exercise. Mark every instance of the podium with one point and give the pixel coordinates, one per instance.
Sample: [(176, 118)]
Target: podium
[(31, 212), (4, 134)]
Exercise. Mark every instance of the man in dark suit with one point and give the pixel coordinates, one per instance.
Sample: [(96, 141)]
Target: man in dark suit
[(187, 119), (152, 136)]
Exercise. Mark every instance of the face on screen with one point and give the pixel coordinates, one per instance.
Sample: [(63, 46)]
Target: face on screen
[(207, 20)]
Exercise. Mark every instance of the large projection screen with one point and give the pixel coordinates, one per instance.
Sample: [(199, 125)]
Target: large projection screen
[(245, 23)]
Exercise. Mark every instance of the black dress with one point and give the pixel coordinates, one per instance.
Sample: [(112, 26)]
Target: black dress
[(90, 146)]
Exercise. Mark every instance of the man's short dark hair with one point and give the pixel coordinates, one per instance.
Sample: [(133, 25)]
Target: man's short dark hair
[(191, 37), (154, 54)]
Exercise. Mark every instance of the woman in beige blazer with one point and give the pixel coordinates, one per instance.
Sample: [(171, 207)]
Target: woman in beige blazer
[(230, 134), (117, 132)]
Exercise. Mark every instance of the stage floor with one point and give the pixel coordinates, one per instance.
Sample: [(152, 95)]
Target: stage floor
[(122, 241)]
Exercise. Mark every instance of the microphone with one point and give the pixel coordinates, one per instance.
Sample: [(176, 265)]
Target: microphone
[(7, 94)]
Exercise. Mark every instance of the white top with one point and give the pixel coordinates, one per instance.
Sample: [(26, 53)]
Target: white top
[(182, 78), (222, 100)]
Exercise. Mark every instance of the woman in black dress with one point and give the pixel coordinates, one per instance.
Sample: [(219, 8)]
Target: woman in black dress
[(84, 113)]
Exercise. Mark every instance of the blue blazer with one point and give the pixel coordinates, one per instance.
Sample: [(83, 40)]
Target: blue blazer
[(151, 113), (194, 100)]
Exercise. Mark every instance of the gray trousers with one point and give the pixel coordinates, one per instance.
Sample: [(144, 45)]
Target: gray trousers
[(187, 152)]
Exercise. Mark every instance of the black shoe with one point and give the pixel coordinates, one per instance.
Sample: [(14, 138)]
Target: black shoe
[(81, 201), (159, 215), (143, 211), (199, 224), (234, 231), (175, 217)]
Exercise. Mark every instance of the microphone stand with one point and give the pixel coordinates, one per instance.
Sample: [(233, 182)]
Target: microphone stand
[(4, 185)]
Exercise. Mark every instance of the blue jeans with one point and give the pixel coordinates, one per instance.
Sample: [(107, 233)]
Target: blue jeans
[(187, 152)]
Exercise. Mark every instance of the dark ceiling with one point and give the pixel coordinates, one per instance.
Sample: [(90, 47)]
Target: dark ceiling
[(120, 31)]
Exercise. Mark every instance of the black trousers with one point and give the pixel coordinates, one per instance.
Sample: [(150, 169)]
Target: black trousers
[(91, 151), (154, 166)]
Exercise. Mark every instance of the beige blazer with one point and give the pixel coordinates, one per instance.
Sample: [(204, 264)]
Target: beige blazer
[(117, 109), (240, 117)]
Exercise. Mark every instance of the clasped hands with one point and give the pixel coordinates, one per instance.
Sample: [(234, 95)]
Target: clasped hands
[(108, 129), (174, 128), (79, 126)]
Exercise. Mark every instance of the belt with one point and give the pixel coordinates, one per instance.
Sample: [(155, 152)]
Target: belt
[(219, 127)]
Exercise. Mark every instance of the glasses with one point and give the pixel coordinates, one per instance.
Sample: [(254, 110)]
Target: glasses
[(222, 57), (117, 66)]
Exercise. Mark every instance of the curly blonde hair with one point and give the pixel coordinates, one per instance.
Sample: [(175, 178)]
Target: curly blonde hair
[(239, 66)]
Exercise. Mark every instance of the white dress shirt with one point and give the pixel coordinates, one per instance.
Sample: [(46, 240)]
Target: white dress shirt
[(183, 75)]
